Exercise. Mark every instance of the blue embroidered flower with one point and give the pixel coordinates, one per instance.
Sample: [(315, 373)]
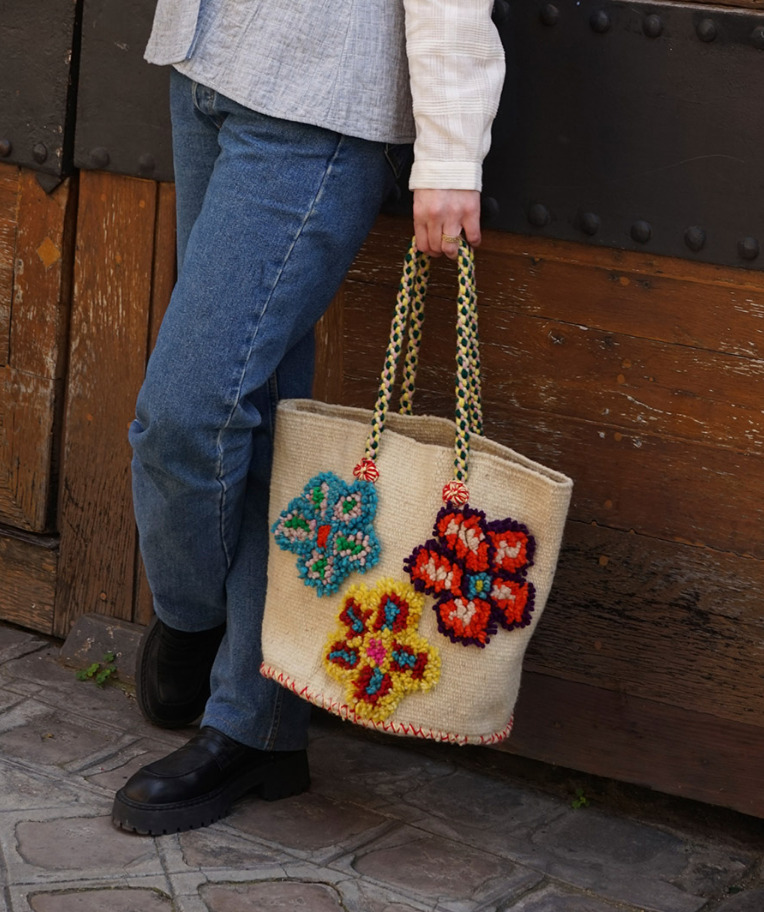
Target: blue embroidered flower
[(330, 529)]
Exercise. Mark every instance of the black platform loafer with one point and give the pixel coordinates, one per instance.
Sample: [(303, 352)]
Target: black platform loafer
[(196, 785), (172, 676)]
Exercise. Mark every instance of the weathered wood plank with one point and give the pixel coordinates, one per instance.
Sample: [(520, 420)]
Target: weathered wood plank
[(27, 579), (327, 385), (27, 423), (42, 280), (618, 379), (668, 300), (641, 377), (162, 284), (9, 190), (621, 736), (165, 260), (657, 436), (37, 229), (109, 337), (659, 486), (656, 620)]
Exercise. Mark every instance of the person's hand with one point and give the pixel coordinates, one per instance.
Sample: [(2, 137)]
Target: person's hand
[(440, 216)]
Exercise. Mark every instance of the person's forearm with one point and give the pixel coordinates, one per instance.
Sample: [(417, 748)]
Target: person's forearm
[(456, 65)]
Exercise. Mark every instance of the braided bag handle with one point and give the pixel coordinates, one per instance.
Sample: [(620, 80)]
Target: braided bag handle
[(407, 325)]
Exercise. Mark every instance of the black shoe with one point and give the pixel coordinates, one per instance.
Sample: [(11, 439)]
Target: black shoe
[(197, 784), (173, 673)]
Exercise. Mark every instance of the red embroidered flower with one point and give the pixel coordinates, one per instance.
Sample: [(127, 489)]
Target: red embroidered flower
[(476, 572)]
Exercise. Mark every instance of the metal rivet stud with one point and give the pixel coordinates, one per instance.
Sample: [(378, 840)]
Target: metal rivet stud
[(500, 10), (707, 30), (489, 209), (394, 196), (549, 14), (652, 26), (757, 37), (5, 147), (99, 157), (147, 163), (641, 231), (748, 248), (40, 153), (538, 215), (589, 223), (600, 21), (695, 238)]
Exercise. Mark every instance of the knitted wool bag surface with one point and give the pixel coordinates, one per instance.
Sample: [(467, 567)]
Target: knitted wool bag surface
[(411, 557)]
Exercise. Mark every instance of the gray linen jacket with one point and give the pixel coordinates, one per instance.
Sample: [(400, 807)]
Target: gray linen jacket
[(337, 64)]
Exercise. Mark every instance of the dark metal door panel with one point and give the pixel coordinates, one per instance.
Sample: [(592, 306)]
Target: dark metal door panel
[(635, 125), (122, 105), (38, 53)]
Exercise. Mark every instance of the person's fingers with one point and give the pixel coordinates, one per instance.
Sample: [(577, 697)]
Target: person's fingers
[(471, 226), (440, 217), (450, 241)]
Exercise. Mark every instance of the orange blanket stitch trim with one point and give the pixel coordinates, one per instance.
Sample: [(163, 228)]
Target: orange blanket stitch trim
[(345, 711)]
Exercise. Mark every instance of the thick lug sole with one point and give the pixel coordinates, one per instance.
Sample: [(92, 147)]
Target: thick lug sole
[(270, 783)]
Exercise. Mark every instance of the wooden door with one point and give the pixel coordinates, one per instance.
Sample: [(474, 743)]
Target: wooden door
[(36, 236), (622, 294)]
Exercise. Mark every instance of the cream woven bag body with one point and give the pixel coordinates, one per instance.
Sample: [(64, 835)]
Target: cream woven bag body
[(394, 600)]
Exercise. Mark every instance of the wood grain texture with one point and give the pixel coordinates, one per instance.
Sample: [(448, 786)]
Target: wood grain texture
[(717, 308), (327, 385), (642, 378), (28, 419), (633, 739), (663, 438), (163, 281), (9, 191), (656, 620), (109, 338), (28, 574), (42, 280), (36, 231)]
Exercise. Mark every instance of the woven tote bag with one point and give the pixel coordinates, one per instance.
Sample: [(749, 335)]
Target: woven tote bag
[(411, 557)]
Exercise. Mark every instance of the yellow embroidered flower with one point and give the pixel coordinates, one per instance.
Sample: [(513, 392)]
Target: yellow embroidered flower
[(377, 652)]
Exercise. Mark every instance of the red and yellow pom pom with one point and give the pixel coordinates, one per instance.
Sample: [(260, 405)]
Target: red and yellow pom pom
[(366, 470), (455, 492)]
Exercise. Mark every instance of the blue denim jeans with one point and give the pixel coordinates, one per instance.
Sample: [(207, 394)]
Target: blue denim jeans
[(270, 216)]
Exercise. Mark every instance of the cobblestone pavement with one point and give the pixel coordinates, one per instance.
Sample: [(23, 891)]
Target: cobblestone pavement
[(388, 826)]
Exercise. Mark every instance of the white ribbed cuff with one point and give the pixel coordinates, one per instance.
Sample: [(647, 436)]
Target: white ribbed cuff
[(446, 175)]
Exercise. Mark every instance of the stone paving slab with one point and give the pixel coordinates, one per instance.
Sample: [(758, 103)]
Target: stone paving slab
[(748, 901), (429, 867), (115, 900), (619, 859), (558, 899), (93, 637), (389, 825), (310, 825)]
